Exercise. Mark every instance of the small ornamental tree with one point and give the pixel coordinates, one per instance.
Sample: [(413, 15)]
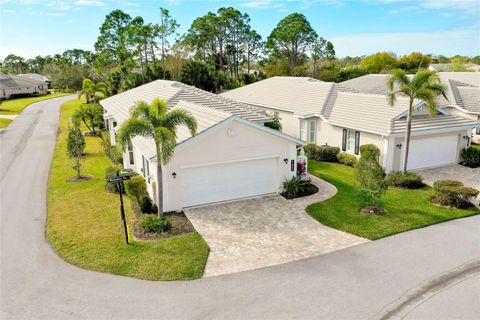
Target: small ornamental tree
[(75, 147), (371, 185), (91, 115)]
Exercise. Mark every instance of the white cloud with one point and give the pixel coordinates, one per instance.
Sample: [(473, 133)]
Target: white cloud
[(258, 4), (89, 3), (446, 42)]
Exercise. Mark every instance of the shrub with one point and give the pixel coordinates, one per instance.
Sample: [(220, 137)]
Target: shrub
[(153, 223), (347, 159), (369, 174), (146, 205), (471, 156), (136, 188), (407, 180), (106, 144), (110, 172), (453, 193), (321, 153), (293, 187), (117, 154), (75, 147)]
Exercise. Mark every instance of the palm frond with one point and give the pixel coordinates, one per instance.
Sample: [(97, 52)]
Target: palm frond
[(165, 138), (428, 97), (398, 77), (134, 127), (392, 98), (160, 108), (422, 78), (140, 109), (179, 117), (437, 88)]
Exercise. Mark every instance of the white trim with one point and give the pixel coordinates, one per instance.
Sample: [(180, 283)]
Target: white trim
[(433, 131), (461, 109), (274, 156)]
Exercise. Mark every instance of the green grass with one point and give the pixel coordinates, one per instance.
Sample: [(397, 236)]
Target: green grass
[(85, 229), (406, 209), (15, 106), (476, 146), (4, 122)]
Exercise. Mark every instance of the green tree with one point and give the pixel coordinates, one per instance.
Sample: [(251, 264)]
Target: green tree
[(321, 49), (351, 72), (91, 115), (90, 90), (371, 185), (292, 36), (425, 86), (379, 62), (275, 123), (198, 74), (413, 62), (15, 64), (154, 121), (75, 147), (167, 27)]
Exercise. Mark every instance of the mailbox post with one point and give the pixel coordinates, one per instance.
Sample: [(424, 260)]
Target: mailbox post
[(118, 180)]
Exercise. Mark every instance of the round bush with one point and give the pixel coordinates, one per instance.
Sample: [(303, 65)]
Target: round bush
[(152, 223), (453, 193), (347, 159), (407, 180)]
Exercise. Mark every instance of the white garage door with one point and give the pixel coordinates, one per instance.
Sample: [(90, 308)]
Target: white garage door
[(432, 151), (234, 180)]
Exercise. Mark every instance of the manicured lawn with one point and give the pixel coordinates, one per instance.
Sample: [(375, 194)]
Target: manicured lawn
[(15, 106), (407, 209), (85, 229), (476, 146), (4, 122)]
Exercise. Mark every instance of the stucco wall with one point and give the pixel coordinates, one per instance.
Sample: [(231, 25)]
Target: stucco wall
[(8, 92), (290, 123)]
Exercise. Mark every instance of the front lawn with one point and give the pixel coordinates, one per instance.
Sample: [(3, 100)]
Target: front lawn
[(84, 225), (15, 106), (4, 122), (406, 209)]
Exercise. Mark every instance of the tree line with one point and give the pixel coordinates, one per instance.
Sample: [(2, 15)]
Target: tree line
[(219, 51)]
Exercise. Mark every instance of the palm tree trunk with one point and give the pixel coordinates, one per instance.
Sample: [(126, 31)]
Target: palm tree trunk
[(407, 136), (159, 184)]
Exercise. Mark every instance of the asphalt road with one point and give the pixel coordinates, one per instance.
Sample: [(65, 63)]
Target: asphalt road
[(427, 273)]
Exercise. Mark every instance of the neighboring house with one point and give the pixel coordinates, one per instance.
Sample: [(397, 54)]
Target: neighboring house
[(11, 86), (37, 77), (446, 67), (232, 156), (356, 112)]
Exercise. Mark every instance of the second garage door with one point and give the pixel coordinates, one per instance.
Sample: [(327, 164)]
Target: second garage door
[(432, 151), (228, 181)]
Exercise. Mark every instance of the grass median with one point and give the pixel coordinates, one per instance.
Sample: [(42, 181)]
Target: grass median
[(84, 225), (16, 105), (407, 209)]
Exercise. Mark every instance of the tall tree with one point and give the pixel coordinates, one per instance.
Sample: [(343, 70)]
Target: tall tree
[(292, 36), (321, 49), (154, 121), (253, 45), (379, 62), (166, 28), (424, 86), (15, 64)]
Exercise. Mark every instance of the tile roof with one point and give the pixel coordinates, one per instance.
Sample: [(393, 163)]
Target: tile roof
[(11, 81), (423, 123), (300, 95)]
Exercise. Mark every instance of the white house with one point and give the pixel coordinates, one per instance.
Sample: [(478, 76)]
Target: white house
[(356, 112), (11, 86), (37, 77), (232, 156)]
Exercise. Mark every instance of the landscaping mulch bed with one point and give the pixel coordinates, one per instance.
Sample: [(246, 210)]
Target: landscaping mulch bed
[(81, 178), (180, 225), (308, 191)]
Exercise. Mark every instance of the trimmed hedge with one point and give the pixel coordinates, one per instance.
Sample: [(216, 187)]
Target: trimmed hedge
[(471, 157), (136, 188), (321, 153), (407, 180), (453, 193), (347, 159)]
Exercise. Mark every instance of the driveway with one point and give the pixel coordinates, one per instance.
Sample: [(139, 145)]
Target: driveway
[(265, 231), (469, 176), (356, 283)]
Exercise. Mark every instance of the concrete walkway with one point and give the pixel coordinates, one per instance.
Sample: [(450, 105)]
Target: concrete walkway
[(266, 231), (356, 283)]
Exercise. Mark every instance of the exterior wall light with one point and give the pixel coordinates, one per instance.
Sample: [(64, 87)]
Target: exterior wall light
[(399, 146), (285, 160), (174, 175)]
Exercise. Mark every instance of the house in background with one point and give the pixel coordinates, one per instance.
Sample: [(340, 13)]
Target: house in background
[(356, 112), (11, 86), (232, 156), (450, 67), (37, 77)]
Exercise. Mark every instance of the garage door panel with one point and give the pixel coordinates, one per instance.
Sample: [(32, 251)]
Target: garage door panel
[(222, 182), (432, 151)]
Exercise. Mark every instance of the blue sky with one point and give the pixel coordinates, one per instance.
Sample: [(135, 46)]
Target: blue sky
[(39, 27)]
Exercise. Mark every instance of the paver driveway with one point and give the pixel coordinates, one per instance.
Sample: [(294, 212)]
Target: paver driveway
[(469, 176), (265, 231)]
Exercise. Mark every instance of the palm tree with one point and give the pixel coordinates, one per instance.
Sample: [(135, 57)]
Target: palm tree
[(156, 122), (424, 86), (90, 89)]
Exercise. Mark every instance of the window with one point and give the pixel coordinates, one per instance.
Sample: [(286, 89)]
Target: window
[(351, 141), (130, 153), (114, 124), (313, 131), (303, 130), (292, 165)]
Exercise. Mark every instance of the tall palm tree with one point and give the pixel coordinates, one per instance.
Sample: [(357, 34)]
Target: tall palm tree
[(424, 86), (156, 122), (90, 89)]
